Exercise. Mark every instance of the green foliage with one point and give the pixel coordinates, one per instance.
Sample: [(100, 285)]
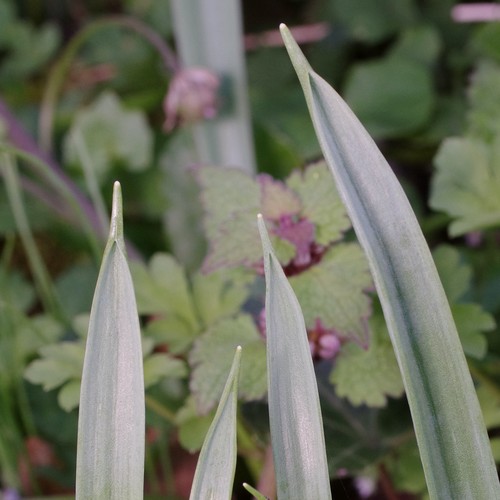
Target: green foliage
[(113, 134), (392, 97), (26, 49), (219, 343), (471, 319), (469, 195), (369, 376), (412, 75)]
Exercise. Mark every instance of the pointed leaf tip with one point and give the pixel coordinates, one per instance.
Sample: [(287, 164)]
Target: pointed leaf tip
[(116, 227)]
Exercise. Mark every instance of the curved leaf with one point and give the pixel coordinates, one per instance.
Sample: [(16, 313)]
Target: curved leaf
[(452, 439)]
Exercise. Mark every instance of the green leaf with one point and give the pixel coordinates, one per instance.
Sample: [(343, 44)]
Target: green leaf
[(472, 321), (393, 97), (405, 469), (61, 362), (69, 395), (438, 385), (333, 290), (372, 22), (218, 343), (162, 288), (469, 195), (368, 376), (214, 474), (302, 211), (160, 365), (321, 202), (230, 199), (192, 427), (173, 331), (294, 411), (490, 405), (420, 44), (484, 95), (455, 274), (220, 294), (112, 134), (111, 425)]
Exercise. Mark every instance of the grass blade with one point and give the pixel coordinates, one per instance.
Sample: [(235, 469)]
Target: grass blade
[(294, 411), (254, 492), (110, 456), (214, 476), (451, 435)]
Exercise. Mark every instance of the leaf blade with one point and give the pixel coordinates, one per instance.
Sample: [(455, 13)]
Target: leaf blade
[(294, 411), (110, 455), (453, 442), (214, 474)]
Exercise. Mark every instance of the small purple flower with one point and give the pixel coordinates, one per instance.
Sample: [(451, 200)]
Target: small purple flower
[(191, 97), (324, 342)]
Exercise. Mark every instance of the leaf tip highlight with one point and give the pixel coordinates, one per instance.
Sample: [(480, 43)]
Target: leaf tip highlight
[(116, 227)]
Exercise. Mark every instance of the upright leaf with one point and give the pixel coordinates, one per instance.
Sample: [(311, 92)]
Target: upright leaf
[(110, 456), (294, 410), (452, 439), (214, 474)]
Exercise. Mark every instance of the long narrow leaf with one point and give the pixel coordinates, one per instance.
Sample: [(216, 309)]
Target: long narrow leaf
[(214, 476), (294, 411), (110, 456), (451, 435)]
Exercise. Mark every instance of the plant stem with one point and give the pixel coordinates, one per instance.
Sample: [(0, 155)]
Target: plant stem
[(40, 273), (58, 74), (160, 409), (91, 180)]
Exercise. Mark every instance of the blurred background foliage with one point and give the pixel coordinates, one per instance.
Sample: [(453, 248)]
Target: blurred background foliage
[(82, 89)]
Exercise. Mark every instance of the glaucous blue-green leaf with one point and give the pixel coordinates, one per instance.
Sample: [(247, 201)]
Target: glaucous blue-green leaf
[(334, 290), (211, 357), (112, 134), (368, 376), (484, 100), (321, 202), (437, 381), (467, 182), (295, 420), (111, 424), (214, 475), (392, 97)]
